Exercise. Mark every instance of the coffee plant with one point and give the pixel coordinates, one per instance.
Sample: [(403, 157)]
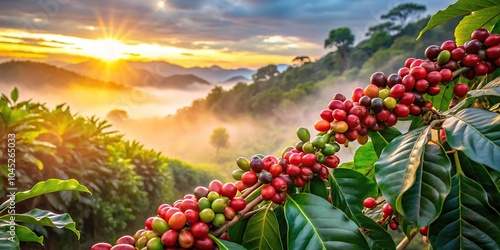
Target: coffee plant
[(440, 179)]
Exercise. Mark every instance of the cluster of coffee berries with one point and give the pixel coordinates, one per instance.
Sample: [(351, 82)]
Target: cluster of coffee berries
[(401, 94), (388, 215), (187, 222)]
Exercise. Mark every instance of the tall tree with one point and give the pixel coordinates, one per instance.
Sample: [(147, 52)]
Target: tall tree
[(265, 73), (343, 39), (219, 139), (388, 27), (405, 13)]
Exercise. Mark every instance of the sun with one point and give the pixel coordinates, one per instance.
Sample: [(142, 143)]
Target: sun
[(161, 4), (108, 49)]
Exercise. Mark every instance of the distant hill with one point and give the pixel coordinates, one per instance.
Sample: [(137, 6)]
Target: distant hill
[(212, 74), (120, 71), (188, 81), (237, 79), (40, 75)]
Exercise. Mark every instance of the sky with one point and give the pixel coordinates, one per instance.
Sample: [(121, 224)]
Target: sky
[(228, 33)]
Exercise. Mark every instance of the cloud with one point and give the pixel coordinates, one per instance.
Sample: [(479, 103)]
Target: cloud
[(226, 25)]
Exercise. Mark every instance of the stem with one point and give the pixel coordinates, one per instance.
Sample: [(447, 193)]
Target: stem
[(248, 191), (404, 243), (240, 215), (457, 163), (249, 214), (460, 71)]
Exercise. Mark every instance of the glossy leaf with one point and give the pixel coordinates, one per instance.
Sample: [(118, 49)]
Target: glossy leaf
[(226, 245), (14, 95), (378, 237), (467, 221), (262, 231), (417, 122), (318, 187), (382, 138), (279, 211), (483, 18), (422, 203), (396, 168), (478, 173), (345, 188), (476, 133), (46, 218), (48, 186), (25, 234), (313, 223), (7, 240), (364, 158), (460, 8), (237, 231)]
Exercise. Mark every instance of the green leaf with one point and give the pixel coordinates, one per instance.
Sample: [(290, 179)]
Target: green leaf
[(262, 231), (460, 8), (226, 245), (417, 122), (397, 165), (25, 234), (364, 158), (475, 132), (422, 203), (7, 239), (478, 173), (237, 231), (382, 138), (442, 100), (46, 218), (279, 211), (318, 187), (346, 192), (349, 165), (14, 95), (48, 186), (484, 18), (484, 92), (467, 221), (313, 223), (377, 236)]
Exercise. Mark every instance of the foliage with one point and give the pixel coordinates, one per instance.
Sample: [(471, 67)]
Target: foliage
[(58, 144), (12, 232), (404, 13), (439, 178)]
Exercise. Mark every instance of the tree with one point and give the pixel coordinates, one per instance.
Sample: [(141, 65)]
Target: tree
[(302, 59), (342, 38), (219, 139), (388, 27), (117, 115), (404, 14), (265, 73)]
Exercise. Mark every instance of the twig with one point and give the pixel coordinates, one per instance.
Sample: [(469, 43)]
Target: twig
[(404, 243), (240, 215), (249, 190)]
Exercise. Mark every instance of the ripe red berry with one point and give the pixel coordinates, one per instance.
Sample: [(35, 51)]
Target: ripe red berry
[(326, 114), (449, 45), (457, 54), (407, 99), (403, 71), (369, 202), (409, 61), (391, 120), (480, 34), (339, 96), (473, 46), (279, 184), (378, 79), (432, 52), (397, 90), (387, 209), (433, 90), (228, 190), (237, 203), (493, 52), (446, 75), (249, 178), (393, 225), (336, 104), (460, 90), (409, 82), (433, 78), (481, 69), (268, 192), (215, 185), (357, 93), (423, 230), (339, 114), (470, 60), (418, 72), (401, 110), (492, 40), (421, 85), (394, 79)]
